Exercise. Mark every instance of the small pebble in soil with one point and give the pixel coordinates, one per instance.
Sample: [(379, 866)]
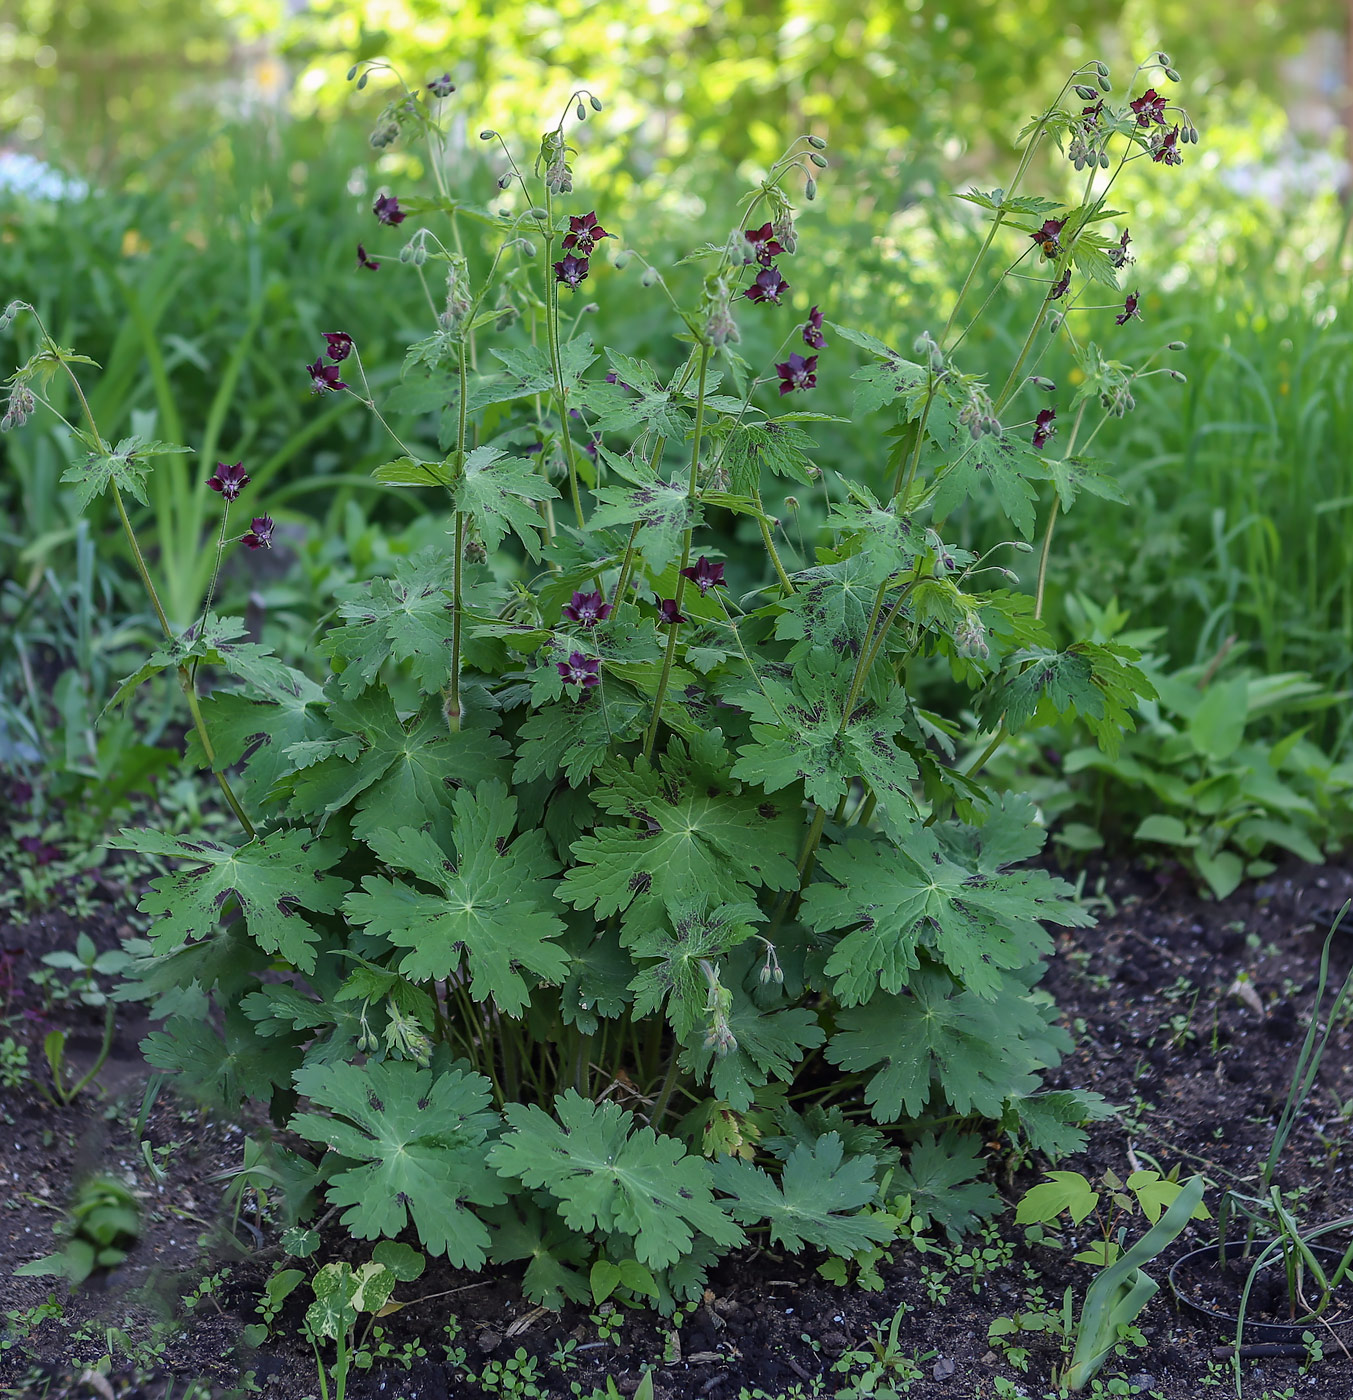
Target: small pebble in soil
[(1143, 1380)]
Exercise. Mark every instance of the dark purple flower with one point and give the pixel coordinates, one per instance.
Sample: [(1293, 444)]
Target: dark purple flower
[(765, 245), (705, 575), (571, 271), (587, 609), (579, 670), (340, 345), (370, 264), (1059, 286), (1129, 310), (20, 793), (812, 330), (260, 533), (669, 612), (442, 87), (1043, 428), (387, 210), (584, 234), (1119, 256), (1090, 115), (1167, 149), (769, 286), (1048, 237), (797, 373), (39, 849), (230, 479), (1149, 107), (325, 377)]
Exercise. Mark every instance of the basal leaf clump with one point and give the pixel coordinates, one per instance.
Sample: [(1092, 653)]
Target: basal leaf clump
[(604, 893)]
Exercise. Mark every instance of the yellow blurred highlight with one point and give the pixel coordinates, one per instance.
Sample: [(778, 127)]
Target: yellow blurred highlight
[(133, 244)]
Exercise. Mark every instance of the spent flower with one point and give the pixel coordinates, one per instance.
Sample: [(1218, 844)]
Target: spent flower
[(339, 345), (325, 377), (370, 264), (812, 330), (1129, 310), (1043, 428)]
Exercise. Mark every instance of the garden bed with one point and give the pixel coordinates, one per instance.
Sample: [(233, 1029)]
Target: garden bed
[(1156, 996)]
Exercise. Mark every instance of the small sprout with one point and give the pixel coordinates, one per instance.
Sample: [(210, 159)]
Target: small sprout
[(595, 101), (817, 143), (819, 161)]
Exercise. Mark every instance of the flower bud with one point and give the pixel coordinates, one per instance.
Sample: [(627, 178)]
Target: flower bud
[(650, 276), (1177, 345), (791, 503), (819, 161), (1191, 135), (810, 188), (1101, 68), (595, 101), (1055, 321), (1163, 59), (487, 135), (9, 313), (1104, 84), (361, 82), (580, 111), (817, 143), (1022, 546), (1086, 94), (352, 72), (504, 180), (1047, 386), (1182, 378), (1172, 75)]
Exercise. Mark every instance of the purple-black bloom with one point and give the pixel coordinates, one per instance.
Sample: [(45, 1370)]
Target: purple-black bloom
[(1090, 115), (765, 246), (1043, 428), (1149, 107), (325, 377), (579, 670), (812, 330), (570, 271), (797, 373), (1119, 256), (584, 233), (769, 286), (340, 345), (387, 210), (370, 264), (705, 575), (1048, 237), (669, 612), (1059, 286), (259, 535), (1129, 310), (41, 852), (442, 87), (230, 479), (1167, 149), (587, 609)]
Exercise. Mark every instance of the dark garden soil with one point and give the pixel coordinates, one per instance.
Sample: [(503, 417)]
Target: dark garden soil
[(1187, 1013)]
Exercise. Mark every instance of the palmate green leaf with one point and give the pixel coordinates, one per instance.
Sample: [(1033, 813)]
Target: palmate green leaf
[(1072, 475), (492, 908), (608, 1176), (892, 540), (800, 733), (1050, 1121), (998, 465), (556, 1256), (663, 511), (697, 831), (892, 376), (909, 895), (216, 644), (530, 371), (978, 1050), (125, 467), (599, 972), (777, 445), (694, 930), (816, 1201), (1100, 684), (223, 1068), (416, 1141), (942, 1177), (407, 619), (575, 737), (403, 773), (831, 605), (639, 398), (503, 493), (273, 877)]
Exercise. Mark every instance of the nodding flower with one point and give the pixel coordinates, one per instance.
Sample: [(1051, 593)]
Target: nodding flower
[(570, 271), (769, 286), (587, 609), (259, 535), (230, 479), (1043, 428), (812, 330), (797, 373), (387, 210), (705, 575)]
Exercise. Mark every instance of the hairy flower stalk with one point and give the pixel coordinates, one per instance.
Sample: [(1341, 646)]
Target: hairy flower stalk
[(556, 362), (453, 705)]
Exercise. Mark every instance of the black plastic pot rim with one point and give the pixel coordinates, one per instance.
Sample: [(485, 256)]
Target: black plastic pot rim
[(1256, 1329)]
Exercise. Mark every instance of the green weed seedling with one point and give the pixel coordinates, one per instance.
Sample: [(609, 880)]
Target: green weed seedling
[(103, 1224)]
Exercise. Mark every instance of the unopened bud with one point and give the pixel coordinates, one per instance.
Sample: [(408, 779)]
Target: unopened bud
[(487, 135), (817, 143), (1103, 160), (590, 309), (791, 503), (1191, 135), (1101, 68), (1023, 546), (352, 72), (504, 180), (621, 259), (1177, 345), (810, 188), (1182, 378), (580, 111), (535, 213), (361, 82), (650, 276), (9, 313), (1086, 94), (1172, 75), (1039, 382), (1104, 84), (1163, 59), (1055, 321), (595, 101), (819, 161)]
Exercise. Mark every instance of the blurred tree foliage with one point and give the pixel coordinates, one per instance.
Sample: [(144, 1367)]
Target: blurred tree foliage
[(685, 80)]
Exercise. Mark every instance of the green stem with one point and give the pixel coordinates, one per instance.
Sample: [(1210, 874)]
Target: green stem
[(767, 539), (453, 716), (665, 1093), (693, 490), (556, 364)]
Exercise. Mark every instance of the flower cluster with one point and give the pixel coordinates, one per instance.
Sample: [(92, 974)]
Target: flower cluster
[(228, 480), (324, 378), (580, 242)]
